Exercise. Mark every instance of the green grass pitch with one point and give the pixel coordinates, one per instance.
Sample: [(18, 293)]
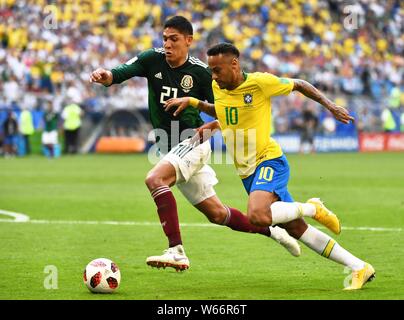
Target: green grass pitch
[(365, 190)]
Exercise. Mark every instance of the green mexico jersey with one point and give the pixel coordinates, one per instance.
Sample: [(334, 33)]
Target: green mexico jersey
[(51, 121), (191, 79)]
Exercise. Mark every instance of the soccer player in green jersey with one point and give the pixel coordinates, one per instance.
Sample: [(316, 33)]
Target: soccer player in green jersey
[(243, 109), (50, 132), (171, 73)]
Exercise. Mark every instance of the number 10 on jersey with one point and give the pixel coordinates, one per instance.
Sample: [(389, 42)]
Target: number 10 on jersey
[(231, 115)]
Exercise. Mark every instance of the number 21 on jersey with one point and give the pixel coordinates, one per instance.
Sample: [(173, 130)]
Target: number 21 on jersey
[(168, 93)]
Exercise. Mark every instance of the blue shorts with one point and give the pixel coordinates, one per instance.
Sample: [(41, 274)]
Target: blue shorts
[(272, 176), (10, 140)]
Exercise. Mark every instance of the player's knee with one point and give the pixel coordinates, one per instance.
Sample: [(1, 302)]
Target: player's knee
[(153, 181), (259, 217)]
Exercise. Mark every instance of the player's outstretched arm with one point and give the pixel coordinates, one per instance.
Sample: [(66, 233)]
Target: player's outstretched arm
[(340, 113), (184, 102), (102, 76), (205, 131)]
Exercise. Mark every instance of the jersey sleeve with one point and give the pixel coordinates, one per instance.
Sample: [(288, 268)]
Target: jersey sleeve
[(272, 85), (135, 67)]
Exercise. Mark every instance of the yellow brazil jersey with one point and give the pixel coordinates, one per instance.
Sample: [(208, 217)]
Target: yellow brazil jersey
[(244, 115)]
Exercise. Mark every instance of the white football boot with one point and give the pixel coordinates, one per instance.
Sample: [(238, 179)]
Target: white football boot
[(283, 238), (173, 257)]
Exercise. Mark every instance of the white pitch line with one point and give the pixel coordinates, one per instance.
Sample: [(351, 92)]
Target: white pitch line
[(18, 217), (117, 223), (157, 224)]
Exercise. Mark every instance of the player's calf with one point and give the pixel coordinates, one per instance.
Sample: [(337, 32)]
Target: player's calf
[(295, 228)]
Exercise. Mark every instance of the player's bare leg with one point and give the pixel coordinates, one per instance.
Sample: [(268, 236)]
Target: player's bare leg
[(158, 181), (220, 214), (259, 207)]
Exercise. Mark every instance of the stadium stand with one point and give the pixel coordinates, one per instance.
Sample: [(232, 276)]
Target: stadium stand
[(354, 52)]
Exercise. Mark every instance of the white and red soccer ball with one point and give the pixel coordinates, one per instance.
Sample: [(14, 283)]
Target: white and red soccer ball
[(102, 276)]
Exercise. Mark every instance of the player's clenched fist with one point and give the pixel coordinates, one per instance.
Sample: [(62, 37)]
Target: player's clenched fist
[(341, 114), (101, 76)]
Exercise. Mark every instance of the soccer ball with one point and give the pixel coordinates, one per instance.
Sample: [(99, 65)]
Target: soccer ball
[(102, 275)]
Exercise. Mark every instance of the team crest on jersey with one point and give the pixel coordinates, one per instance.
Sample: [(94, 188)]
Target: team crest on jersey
[(187, 83), (248, 98)]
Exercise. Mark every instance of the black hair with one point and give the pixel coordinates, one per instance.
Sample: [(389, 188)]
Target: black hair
[(223, 48), (181, 24)]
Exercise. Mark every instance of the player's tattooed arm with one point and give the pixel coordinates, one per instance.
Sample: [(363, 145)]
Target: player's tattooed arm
[(340, 113), (184, 102)]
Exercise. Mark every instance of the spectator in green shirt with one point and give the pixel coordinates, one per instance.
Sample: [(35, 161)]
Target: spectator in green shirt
[(50, 132)]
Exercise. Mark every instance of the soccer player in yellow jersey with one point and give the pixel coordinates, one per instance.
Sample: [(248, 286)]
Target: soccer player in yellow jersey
[(243, 109)]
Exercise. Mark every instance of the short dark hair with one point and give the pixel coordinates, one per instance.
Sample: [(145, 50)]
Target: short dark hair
[(181, 24), (223, 48)]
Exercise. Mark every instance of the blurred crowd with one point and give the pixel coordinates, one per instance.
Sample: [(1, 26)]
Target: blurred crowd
[(354, 52)]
